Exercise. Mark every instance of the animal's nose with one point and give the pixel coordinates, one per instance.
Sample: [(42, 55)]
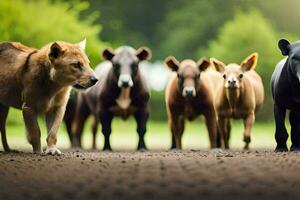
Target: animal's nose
[(125, 84), (232, 82), (189, 91), (93, 79)]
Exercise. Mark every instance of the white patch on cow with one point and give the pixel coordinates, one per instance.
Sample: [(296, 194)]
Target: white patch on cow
[(124, 100), (125, 78)]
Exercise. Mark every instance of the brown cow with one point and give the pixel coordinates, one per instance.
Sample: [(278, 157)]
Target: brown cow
[(122, 92), (189, 93), (240, 96)]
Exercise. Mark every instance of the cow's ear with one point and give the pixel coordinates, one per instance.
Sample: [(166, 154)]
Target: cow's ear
[(219, 66), (108, 54), (172, 63), (250, 62), (203, 63), (284, 46), (144, 53), (55, 51)]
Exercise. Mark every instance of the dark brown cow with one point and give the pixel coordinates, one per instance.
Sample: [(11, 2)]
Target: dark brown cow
[(122, 92), (189, 94)]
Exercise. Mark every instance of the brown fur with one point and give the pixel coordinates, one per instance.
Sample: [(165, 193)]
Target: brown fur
[(240, 96), (38, 82), (181, 107)]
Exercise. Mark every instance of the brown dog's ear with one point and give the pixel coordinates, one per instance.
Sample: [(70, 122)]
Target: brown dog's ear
[(108, 54), (55, 51), (82, 44), (250, 62), (172, 63), (219, 66), (203, 63), (144, 53)]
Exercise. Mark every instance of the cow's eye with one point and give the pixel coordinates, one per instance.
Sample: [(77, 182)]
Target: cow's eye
[(180, 79), (134, 65), (241, 76), (77, 65), (197, 76), (224, 76), (295, 60)]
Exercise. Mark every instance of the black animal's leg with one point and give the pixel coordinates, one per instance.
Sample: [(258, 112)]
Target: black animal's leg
[(281, 134), (3, 117), (81, 115), (106, 119), (94, 130), (295, 130), (141, 117)]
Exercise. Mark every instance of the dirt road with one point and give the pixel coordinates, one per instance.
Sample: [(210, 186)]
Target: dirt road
[(151, 175)]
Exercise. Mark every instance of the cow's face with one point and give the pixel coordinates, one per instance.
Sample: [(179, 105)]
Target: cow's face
[(233, 73), (188, 74), (125, 62)]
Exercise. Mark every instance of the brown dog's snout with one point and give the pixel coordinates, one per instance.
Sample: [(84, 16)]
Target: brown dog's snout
[(93, 80)]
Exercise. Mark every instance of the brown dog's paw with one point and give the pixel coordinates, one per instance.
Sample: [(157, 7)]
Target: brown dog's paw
[(52, 151)]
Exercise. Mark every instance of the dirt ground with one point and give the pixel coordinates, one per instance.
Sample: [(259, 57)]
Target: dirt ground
[(151, 175)]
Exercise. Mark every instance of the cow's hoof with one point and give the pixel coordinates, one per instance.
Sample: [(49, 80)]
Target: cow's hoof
[(52, 151), (295, 148), (281, 149)]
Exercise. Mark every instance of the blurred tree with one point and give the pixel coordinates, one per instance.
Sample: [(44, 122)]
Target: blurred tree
[(190, 25), (131, 22), (36, 23), (247, 33)]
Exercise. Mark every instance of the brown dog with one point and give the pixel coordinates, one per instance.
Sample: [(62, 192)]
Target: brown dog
[(240, 96), (38, 82), (122, 91), (189, 94)]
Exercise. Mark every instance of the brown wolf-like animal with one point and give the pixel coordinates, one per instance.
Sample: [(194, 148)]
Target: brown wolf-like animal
[(190, 93), (38, 82), (240, 96), (122, 91)]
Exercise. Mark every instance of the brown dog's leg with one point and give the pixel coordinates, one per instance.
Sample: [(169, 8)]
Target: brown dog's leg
[(3, 116), (32, 127), (211, 125), (54, 118), (248, 123), (94, 131)]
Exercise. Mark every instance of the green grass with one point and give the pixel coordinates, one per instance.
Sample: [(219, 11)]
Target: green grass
[(124, 136)]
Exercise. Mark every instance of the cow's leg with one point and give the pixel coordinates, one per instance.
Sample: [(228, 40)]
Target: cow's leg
[(211, 125), (3, 117), (248, 123), (32, 128), (94, 130), (295, 130), (173, 145), (222, 125), (141, 117), (105, 120), (81, 114), (177, 127), (281, 134), (228, 130)]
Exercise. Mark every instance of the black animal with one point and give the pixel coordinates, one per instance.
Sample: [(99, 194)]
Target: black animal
[(122, 92), (285, 85)]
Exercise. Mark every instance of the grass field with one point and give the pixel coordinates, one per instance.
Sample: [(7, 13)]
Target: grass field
[(124, 136)]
